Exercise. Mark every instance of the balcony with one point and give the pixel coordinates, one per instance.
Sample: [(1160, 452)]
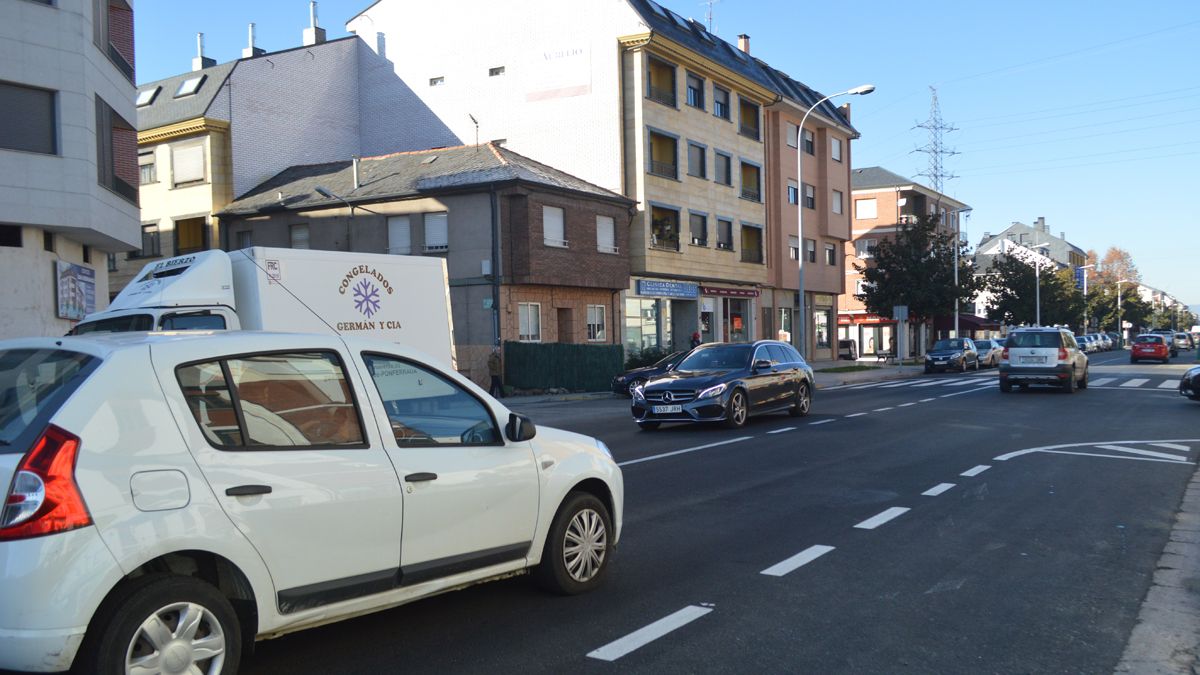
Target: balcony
[(752, 194), (665, 169), (748, 131), (662, 95)]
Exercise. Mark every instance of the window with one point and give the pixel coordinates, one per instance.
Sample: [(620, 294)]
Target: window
[(146, 97), (723, 168), (529, 316), (595, 323), (664, 227), (87, 254), (606, 235), (663, 158), (426, 408), (724, 234), (299, 236), (112, 262), (187, 164), (837, 202), (660, 81), (399, 235), (116, 153), (698, 226), (28, 119), (860, 286), (720, 102), (493, 72), (830, 255), (747, 118), (147, 167), (245, 239), (48, 241), (793, 192), (112, 32), (282, 401), (437, 81), (810, 250), (810, 197), (553, 233), (793, 132), (752, 243), (864, 209), (808, 142), (10, 236), (437, 235), (190, 86), (751, 189), (695, 91), (191, 235), (835, 149), (793, 247), (193, 321), (697, 166), (865, 248), (150, 242)]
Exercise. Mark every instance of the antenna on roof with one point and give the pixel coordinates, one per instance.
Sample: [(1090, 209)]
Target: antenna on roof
[(476, 123), (708, 13)]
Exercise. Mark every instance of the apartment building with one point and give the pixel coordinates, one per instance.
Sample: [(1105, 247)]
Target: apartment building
[(68, 158), (632, 97), (883, 201), (212, 133), (533, 254)]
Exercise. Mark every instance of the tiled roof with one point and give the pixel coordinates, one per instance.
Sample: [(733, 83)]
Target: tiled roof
[(166, 109), (878, 177), (405, 175)]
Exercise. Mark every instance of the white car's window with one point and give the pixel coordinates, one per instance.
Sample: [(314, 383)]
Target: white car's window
[(276, 401), (426, 408)]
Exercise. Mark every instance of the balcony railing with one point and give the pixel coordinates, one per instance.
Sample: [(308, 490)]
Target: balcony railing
[(752, 255), (665, 96), (751, 193), (725, 245), (670, 243), (667, 169), (748, 131)]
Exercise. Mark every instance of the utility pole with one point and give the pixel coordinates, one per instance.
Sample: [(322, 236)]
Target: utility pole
[(936, 172)]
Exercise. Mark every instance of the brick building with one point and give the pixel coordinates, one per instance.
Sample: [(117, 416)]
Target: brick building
[(533, 254)]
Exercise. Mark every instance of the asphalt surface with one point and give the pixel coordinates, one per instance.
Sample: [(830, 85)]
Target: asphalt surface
[(927, 525)]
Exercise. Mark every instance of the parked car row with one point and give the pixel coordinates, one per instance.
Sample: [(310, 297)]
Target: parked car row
[(1096, 342)]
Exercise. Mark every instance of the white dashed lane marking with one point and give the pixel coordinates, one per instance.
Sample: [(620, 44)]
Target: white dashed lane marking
[(795, 562), (881, 518), (856, 415), (937, 489), (813, 424), (780, 431), (975, 471), (644, 636)]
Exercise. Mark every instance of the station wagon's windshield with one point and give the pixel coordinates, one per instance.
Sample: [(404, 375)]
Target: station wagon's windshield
[(720, 357)]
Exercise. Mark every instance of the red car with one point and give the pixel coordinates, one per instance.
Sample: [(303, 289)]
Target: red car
[(1150, 347)]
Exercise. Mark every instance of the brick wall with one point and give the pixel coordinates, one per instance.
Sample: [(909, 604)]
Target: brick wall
[(120, 31), (125, 155), (553, 298)]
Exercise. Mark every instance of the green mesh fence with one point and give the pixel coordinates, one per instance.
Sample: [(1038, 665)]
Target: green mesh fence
[(530, 365)]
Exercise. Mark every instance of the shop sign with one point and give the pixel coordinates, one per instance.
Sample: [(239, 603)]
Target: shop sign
[(667, 289), (730, 292), (847, 319)]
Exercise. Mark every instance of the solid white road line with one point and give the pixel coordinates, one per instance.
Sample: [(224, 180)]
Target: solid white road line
[(780, 431), (685, 450), (906, 383), (813, 424), (975, 471), (968, 391), (1172, 446), (1169, 384), (959, 383), (905, 405), (856, 415), (1129, 459), (1047, 448), (882, 409), (881, 518), (799, 560), (1135, 451), (929, 384), (1136, 382), (868, 386), (1102, 381), (937, 489), (644, 636)]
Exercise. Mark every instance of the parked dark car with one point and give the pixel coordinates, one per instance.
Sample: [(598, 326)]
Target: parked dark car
[(727, 382), (952, 354), (1189, 384), (626, 381)]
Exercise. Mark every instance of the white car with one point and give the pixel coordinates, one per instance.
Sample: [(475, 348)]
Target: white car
[(170, 498)]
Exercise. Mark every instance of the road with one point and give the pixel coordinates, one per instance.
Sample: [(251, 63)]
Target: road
[(930, 525)]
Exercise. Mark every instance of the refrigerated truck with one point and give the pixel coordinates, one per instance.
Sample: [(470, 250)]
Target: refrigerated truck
[(399, 298)]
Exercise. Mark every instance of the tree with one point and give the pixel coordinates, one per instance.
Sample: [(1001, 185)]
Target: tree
[(1014, 285), (1116, 264), (1102, 306), (917, 269)]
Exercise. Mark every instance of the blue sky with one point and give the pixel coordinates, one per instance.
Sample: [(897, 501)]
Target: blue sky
[(1084, 112)]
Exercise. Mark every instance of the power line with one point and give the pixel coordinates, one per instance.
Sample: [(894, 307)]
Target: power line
[(1079, 138), (1094, 154), (935, 148), (1086, 164), (1141, 97)]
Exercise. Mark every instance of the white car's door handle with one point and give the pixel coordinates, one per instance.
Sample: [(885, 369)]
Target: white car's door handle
[(420, 477)]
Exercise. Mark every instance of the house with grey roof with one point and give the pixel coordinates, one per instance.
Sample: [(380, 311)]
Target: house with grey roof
[(1019, 235), (216, 131), (533, 253)]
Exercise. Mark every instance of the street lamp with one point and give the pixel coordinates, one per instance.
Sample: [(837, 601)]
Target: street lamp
[(1085, 268), (957, 245), (1121, 323), (1037, 275), (860, 90), (329, 194)]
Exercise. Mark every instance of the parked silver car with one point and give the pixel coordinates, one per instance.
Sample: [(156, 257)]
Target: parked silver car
[(1043, 356), (990, 352)]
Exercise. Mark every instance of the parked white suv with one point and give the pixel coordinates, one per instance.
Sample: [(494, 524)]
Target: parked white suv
[(170, 498), (1043, 356)]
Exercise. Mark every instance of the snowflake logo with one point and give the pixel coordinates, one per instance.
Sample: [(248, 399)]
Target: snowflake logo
[(366, 298)]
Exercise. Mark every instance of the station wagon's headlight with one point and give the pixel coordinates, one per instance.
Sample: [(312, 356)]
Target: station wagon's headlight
[(637, 393), (712, 391)]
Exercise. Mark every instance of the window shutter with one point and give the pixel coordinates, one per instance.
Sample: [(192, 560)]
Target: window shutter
[(552, 226), (399, 235), (187, 163), (437, 238), (606, 235)]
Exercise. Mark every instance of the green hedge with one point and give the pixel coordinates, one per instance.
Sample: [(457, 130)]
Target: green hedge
[(529, 365)]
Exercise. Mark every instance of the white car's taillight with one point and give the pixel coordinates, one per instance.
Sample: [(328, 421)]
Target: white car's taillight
[(44, 498)]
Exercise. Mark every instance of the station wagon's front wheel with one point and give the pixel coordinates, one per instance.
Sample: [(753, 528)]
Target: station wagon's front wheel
[(578, 546), (737, 411)]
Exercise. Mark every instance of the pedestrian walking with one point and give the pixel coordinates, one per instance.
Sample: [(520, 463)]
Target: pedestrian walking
[(695, 340), (495, 370)]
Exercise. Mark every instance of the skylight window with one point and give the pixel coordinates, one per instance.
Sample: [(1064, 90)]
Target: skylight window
[(147, 97), (190, 86), (658, 9), (679, 20)]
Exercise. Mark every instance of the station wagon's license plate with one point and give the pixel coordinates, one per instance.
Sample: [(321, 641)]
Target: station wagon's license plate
[(1033, 359), (664, 409)]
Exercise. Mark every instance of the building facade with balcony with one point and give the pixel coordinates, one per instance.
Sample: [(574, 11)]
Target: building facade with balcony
[(882, 202), (635, 98), (68, 158)]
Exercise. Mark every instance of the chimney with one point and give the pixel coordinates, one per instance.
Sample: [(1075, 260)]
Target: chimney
[(313, 35), (355, 162), (1040, 224), (201, 61), (1062, 235), (251, 51), (844, 109), (744, 43)]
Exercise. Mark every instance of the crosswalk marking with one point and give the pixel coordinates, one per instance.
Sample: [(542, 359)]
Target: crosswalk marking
[(959, 383), (1117, 382), (1168, 385), (1102, 381), (1135, 451), (928, 384), (1136, 382)]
